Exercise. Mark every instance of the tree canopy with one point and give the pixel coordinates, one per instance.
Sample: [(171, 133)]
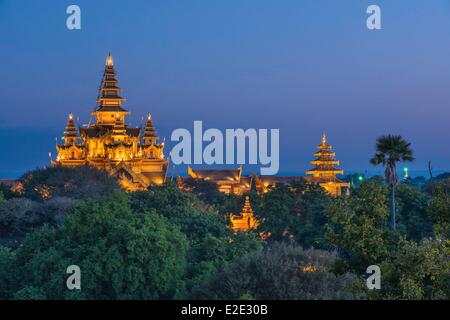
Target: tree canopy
[(171, 243), (121, 254), (281, 272), (79, 183)]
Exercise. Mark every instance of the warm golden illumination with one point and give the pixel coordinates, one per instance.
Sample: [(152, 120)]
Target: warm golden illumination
[(310, 268), (246, 220), (44, 191), (231, 181), (109, 61), (325, 171), (135, 157)]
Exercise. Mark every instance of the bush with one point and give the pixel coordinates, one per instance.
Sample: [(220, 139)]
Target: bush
[(121, 254), (279, 272), (295, 212), (211, 244), (79, 183), (181, 208), (18, 216), (439, 209), (413, 221)]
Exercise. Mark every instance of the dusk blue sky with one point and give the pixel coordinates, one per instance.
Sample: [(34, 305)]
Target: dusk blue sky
[(301, 66)]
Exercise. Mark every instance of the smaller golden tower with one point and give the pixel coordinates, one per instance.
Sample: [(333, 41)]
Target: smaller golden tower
[(246, 220), (71, 151), (324, 173), (151, 149)]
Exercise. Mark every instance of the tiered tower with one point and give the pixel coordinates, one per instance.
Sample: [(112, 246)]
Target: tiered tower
[(246, 220), (112, 144), (150, 147), (71, 152), (325, 171), (109, 102)]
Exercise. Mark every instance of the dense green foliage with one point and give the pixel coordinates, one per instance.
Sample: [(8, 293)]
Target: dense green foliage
[(210, 247), (122, 255), (417, 271), (358, 227), (19, 216), (195, 218), (295, 212), (6, 192), (413, 221), (439, 208), (279, 272), (167, 243), (78, 183), (206, 191)]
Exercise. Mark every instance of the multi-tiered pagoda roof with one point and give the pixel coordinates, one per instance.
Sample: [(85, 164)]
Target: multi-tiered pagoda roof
[(111, 144), (325, 169)]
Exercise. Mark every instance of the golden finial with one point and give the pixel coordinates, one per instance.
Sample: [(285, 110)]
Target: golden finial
[(149, 117), (70, 116), (109, 61), (324, 139)]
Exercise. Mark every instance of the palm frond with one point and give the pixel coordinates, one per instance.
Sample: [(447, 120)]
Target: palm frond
[(392, 148)]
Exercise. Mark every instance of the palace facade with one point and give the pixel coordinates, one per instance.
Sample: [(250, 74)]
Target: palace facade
[(110, 143), (137, 158), (231, 181)]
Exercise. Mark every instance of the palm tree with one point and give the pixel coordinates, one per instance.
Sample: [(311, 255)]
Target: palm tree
[(391, 149)]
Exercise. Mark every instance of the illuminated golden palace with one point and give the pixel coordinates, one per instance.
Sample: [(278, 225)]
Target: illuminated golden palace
[(231, 181), (111, 144), (324, 173)]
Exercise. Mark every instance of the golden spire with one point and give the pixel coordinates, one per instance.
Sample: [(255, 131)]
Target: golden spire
[(109, 61), (71, 132), (108, 99), (246, 220), (149, 132), (149, 128), (324, 139), (325, 169), (247, 208)]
